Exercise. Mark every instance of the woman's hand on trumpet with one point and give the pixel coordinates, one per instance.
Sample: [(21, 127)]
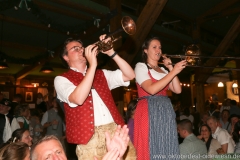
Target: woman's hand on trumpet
[(167, 62), (178, 67)]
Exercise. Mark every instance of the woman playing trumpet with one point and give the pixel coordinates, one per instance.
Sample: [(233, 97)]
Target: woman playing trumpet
[(155, 130)]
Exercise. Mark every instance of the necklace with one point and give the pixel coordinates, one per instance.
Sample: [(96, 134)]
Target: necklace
[(154, 67)]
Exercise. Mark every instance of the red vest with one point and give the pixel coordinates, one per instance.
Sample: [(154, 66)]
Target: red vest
[(80, 119)]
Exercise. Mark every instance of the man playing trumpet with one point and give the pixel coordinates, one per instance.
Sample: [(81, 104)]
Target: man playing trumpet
[(86, 92)]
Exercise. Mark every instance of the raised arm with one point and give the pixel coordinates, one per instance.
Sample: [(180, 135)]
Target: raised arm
[(127, 71), (170, 78)]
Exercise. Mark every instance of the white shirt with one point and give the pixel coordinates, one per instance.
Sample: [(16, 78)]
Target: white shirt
[(45, 120), (142, 75), (7, 132), (101, 113), (224, 137)]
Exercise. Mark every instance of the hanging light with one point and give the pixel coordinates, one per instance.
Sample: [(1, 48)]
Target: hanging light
[(220, 84), (235, 85), (3, 65), (46, 68)]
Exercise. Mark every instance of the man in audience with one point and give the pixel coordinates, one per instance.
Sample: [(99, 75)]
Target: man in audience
[(191, 147), (224, 119), (221, 135), (16, 101), (234, 109), (5, 107), (49, 147)]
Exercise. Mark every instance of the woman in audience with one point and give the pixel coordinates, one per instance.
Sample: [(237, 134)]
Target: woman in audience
[(22, 114), (20, 135), (203, 121), (130, 117), (233, 119), (236, 137), (15, 151), (212, 144)]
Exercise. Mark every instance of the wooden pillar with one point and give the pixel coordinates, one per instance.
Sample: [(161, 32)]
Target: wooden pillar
[(200, 97)]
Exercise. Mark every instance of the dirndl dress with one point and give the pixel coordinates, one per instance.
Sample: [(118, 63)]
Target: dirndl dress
[(155, 130)]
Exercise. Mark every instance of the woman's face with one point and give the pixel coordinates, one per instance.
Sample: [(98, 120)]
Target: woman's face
[(26, 113), (205, 133), (26, 138), (154, 50)]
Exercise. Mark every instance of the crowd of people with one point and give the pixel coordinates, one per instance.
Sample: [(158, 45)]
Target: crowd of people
[(90, 119)]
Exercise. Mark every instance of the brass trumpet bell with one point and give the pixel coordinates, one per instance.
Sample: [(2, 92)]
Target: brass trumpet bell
[(128, 25), (191, 51)]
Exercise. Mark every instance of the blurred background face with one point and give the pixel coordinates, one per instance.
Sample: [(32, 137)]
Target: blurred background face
[(26, 138), (234, 120), (212, 124), (225, 115), (205, 133), (4, 109)]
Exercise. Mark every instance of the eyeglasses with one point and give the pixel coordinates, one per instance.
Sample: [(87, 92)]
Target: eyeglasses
[(76, 48)]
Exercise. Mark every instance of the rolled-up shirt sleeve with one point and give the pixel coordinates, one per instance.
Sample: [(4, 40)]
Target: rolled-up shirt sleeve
[(64, 88), (115, 79)]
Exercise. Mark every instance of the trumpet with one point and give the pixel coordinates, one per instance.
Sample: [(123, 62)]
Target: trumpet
[(193, 58), (128, 25)]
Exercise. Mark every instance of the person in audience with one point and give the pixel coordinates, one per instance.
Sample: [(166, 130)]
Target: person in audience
[(187, 115), (41, 104), (130, 117), (213, 111), (203, 121), (212, 144), (224, 120), (234, 109), (236, 137), (191, 145), (222, 135), (35, 126), (49, 147), (5, 107), (226, 104), (22, 114), (86, 92), (233, 119), (20, 135), (53, 121), (15, 151), (15, 102)]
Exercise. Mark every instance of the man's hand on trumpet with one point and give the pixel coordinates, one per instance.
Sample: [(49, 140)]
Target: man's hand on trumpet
[(108, 52), (91, 55)]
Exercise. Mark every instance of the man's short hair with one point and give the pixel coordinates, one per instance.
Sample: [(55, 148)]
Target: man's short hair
[(186, 124), (33, 155), (212, 118)]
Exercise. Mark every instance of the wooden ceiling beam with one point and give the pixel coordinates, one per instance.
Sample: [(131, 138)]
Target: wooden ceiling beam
[(79, 7), (28, 24), (146, 20), (220, 50), (26, 70), (62, 11), (23, 46), (216, 10), (222, 14)]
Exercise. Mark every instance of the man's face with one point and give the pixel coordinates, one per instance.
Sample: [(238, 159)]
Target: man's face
[(234, 120), (75, 53), (51, 150), (180, 131), (212, 124), (4, 109)]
